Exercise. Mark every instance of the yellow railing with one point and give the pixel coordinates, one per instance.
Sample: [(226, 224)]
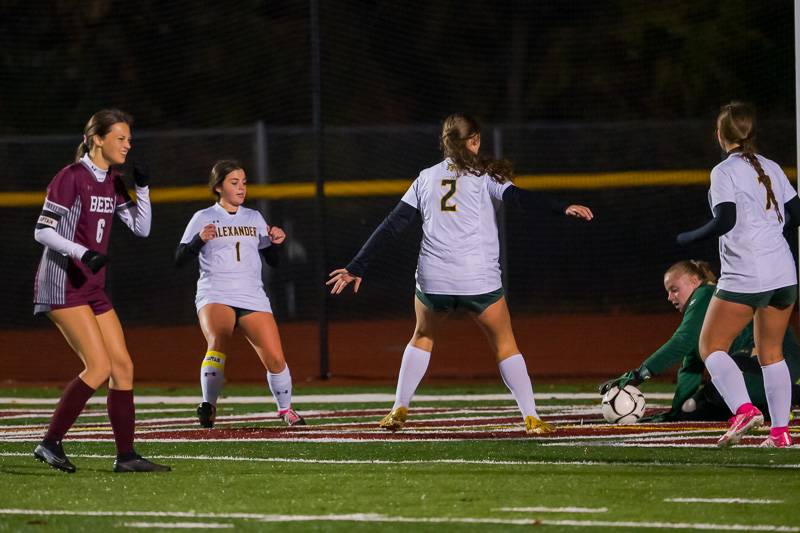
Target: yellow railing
[(280, 191)]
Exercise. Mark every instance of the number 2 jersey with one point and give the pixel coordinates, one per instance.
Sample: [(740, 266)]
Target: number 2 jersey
[(460, 250), (230, 264), (80, 206)]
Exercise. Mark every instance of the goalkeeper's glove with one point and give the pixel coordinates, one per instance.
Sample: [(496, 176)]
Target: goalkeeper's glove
[(631, 377)]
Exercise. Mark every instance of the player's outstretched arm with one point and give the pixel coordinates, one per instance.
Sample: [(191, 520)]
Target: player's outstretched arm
[(401, 217), (531, 201), (724, 220)]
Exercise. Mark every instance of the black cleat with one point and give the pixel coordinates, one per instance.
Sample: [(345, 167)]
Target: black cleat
[(53, 454), (136, 463), (206, 414)]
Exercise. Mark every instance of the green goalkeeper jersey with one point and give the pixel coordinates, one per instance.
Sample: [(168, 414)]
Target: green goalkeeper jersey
[(683, 346)]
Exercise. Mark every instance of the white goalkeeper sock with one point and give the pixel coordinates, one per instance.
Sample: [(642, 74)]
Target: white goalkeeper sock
[(728, 380), (412, 370), (212, 376), (514, 372), (280, 385), (778, 386)]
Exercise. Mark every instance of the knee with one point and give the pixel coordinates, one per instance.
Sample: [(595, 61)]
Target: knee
[(218, 342), (122, 371), (97, 372)]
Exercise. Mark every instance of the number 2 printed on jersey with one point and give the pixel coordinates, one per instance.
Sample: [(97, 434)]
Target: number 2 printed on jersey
[(451, 183)]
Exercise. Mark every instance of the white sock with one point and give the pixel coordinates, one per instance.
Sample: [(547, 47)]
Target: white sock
[(778, 386), (412, 370), (728, 380), (212, 376), (280, 385), (515, 375)]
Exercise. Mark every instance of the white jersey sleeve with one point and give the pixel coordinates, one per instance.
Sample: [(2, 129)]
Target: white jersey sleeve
[(193, 228), (496, 189), (411, 197), (722, 187)]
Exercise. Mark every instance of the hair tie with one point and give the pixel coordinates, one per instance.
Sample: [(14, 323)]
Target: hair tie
[(85, 142)]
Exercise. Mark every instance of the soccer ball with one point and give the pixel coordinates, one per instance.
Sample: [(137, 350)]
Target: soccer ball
[(624, 406)]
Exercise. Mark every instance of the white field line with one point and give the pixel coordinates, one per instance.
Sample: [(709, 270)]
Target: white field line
[(647, 445), (402, 462), (299, 435), (336, 398), (177, 525), (553, 509), (720, 500), (378, 518)]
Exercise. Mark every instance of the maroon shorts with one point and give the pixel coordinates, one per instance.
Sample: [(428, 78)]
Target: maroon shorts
[(97, 299)]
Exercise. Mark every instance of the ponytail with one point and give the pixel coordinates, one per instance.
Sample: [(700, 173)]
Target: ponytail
[(764, 180), (736, 124), (457, 129)]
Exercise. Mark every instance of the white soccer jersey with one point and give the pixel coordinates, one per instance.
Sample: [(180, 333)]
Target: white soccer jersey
[(755, 256), (230, 264), (460, 251)]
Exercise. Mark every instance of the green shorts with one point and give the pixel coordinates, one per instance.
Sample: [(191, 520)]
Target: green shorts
[(780, 298), (239, 312), (476, 303)]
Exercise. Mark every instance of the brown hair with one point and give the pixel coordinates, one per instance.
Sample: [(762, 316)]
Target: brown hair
[(737, 125), (218, 172), (100, 124), (457, 129), (693, 267)]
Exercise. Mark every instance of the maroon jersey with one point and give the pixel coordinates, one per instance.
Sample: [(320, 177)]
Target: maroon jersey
[(81, 209)]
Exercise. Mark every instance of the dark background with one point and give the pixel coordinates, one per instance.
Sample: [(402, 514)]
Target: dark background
[(561, 87)]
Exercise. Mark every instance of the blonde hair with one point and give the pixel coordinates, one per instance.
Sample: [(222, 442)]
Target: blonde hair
[(693, 267)]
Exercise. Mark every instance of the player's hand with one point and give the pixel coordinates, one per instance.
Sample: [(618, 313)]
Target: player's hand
[(141, 174), (208, 232), (276, 235), (94, 260), (341, 278), (579, 211), (631, 377)]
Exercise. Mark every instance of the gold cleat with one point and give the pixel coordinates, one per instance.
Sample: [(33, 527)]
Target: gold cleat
[(534, 426), (395, 420)]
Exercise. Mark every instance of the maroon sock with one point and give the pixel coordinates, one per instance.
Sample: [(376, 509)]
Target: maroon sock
[(72, 402), (122, 415)]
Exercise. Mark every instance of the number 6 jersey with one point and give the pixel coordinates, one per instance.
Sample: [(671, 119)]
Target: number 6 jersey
[(230, 263), (80, 205)]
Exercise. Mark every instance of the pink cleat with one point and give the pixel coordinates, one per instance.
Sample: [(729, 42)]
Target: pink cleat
[(291, 418), (747, 417), (777, 439)]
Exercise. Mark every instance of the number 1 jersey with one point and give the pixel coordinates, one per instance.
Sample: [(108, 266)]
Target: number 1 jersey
[(230, 264)]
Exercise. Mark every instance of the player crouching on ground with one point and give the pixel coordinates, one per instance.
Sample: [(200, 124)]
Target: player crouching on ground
[(689, 286), (230, 240)]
